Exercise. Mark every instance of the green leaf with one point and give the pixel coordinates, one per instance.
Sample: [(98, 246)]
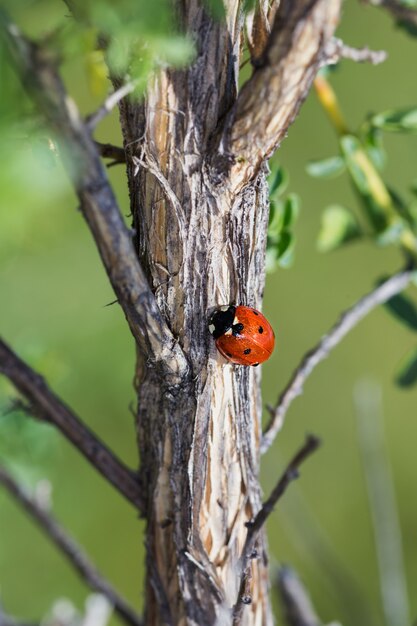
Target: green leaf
[(326, 168), (374, 195), (276, 218), (407, 372), (397, 121), (291, 210), (403, 309), (279, 182), (374, 147), (286, 248), (338, 226)]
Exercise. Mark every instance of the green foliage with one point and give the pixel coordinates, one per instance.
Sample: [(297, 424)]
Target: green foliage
[(407, 372), (403, 309), (397, 121), (392, 220), (283, 214), (326, 168), (338, 226), (374, 147)]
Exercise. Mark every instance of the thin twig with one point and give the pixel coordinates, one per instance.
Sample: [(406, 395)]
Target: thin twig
[(45, 405), (404, 15), (108, 151), (98, 204), (348, 320), (298, 608), (254, 527), (113, 100), (382, 502), (69, 547), (336, 50)]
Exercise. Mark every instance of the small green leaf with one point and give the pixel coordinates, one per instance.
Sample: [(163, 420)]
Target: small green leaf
[(291, 210), (407, 372), (286, 248), (397, 121), (276, 218), (326, 168), (375, 148), (373, 193), (279, 182), (402, 308), (338, 226)]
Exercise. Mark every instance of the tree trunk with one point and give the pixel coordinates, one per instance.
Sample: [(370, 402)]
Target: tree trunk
[(200, 217)]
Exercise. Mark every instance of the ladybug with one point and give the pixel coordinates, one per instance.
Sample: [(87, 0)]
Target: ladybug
[(243, 335)]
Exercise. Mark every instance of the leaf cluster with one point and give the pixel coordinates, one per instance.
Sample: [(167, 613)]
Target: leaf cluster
[(385, 216), (284, 210)]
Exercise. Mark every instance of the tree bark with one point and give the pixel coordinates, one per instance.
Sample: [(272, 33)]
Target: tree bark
[(200, 215)]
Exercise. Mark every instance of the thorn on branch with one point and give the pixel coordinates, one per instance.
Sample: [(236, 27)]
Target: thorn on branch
[(336, 50)]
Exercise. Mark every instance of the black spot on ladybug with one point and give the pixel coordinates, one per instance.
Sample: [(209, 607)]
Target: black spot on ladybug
[(247, 351), (260, 330), (255, 364), (228, 354), (237, 329), (255, 312)]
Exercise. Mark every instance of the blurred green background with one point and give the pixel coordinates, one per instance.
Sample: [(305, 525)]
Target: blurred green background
[(52, 311)]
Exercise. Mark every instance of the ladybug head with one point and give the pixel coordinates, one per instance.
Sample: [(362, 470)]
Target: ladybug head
[(222, 320)]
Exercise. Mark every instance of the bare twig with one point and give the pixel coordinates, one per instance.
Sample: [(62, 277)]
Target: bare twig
[(113, 100), (98, 205), (70, 548), (108, 151), (382, 502), (403, 14), (348, 320), (45, 405), (298, 608), (336, 50), (269, 101), (254, 527)]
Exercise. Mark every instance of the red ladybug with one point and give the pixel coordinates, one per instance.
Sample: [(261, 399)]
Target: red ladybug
[(243, 335)]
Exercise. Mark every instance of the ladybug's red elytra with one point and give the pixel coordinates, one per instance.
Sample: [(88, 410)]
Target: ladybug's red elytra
[(243, 335)]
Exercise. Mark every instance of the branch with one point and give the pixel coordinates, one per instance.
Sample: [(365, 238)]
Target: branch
[(269, 101), (113, 100), (70, 548), (46, 406), (298, 608), (108, 151), (404, 15), (336, 50), (249, 552), (98, 204), (348, 320)]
